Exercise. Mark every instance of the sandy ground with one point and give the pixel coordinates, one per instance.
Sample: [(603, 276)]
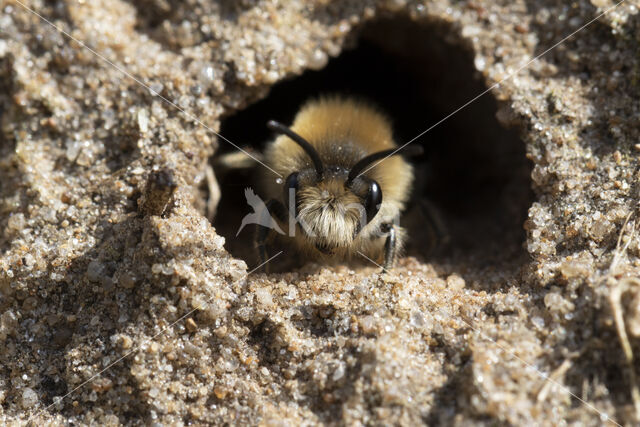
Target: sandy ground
[(119, 300)]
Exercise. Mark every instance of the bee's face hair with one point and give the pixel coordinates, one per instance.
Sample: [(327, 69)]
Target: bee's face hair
[(330, 214)]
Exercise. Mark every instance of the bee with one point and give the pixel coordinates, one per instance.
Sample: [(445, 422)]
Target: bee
[(344, 187)]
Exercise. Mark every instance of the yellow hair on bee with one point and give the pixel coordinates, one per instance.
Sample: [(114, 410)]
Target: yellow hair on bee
[(329, 212), (331, 119), (334, 120)]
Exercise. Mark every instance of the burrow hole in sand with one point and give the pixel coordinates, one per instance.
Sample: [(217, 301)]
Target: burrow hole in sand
[(473, 170)]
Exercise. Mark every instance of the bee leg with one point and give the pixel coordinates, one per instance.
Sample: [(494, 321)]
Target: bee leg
[(389, 246), (264, 234), (433, 217), (214, 192)]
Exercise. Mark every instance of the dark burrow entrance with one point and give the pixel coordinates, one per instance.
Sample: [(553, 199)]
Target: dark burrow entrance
[(473, 170)]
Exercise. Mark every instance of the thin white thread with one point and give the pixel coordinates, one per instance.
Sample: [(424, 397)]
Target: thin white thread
[(528, 365), (495, 85), (138, 347), (134, 78)]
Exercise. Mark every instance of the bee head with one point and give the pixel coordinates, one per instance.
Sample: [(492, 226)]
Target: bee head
[(329, 213), (331, 204)]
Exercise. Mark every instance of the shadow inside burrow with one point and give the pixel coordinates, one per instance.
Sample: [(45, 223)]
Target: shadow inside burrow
[(473, 170)]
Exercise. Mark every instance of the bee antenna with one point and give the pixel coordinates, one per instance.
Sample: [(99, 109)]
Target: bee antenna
[(358, 168), (306, 146)]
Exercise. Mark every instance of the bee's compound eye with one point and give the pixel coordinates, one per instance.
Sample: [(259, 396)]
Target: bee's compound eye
[(373, 200), (290, 188)]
